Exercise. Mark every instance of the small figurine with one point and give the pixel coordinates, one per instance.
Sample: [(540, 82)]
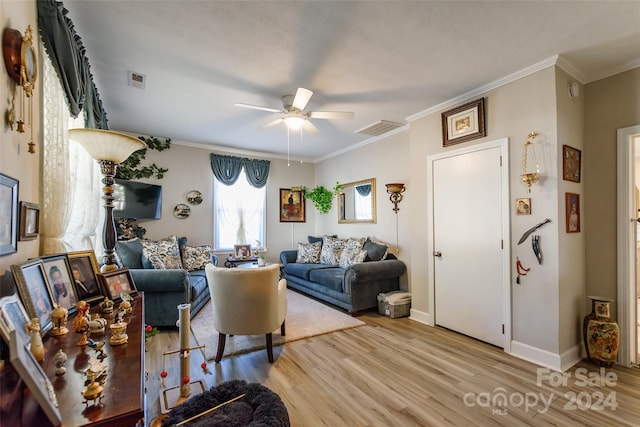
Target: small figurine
[(80, 326), (120, 316), (37, 348), (126, 306), (98, 346), (59, 317), (97, 325), (107, 306), (118, 333), (59, 360)]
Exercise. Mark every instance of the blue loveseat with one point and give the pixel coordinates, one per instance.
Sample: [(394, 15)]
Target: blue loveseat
[(164, 288), (353, 288)]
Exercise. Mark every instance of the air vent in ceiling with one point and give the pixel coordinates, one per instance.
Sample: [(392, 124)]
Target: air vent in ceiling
[(137, 79), (379, 127)]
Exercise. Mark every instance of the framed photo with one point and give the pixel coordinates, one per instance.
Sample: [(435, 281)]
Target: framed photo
[(8, 215), (571, 158), (572, 208), (13, 316), (60, 278), (292, 205), (117, 281), (242, 251), (463, 123), (29, 220), (33, 287), (35, 378), (523, 206), (84, 268)]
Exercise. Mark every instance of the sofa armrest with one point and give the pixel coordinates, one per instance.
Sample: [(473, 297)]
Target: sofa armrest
[(287, 257), (373, 270), (169, 280)]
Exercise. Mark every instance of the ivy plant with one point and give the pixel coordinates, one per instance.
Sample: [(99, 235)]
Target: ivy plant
[(131, 168), (321, 197)]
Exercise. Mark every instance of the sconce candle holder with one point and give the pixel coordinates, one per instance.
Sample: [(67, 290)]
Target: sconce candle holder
[(529, 176), (395, 191)]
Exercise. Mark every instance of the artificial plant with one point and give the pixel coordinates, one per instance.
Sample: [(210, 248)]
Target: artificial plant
[(321, 197), (131, 169)]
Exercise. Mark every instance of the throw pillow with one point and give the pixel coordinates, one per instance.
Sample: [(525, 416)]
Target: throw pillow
[(313, 239), (348, 258), (156, 262), (376, 251), (331, 250), (130, 253), (196, 257), (165, 249), (308, 253)]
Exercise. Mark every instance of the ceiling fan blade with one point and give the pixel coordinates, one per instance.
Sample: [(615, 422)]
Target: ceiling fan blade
[(302, 97), (272, 124), (257, 107), (310, 128), (331, 115)]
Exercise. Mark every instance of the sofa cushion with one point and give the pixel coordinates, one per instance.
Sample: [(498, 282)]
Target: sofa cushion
[(348, 258), (309, 253), (166, 249), (196, 257), (155, 262), (376, 251), (329, 277), (198, 282), (302, 270), (130, 253), (331, 250)]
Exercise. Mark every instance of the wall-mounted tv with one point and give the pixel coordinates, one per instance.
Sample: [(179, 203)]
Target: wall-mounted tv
[(137, 200)]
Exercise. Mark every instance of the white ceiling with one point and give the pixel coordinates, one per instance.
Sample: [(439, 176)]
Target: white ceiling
[(383, 60)]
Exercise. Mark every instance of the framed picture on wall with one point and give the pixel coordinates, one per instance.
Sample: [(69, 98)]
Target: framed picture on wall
[(572, 208), (523, 206), (8, 215), (292, 205), (29, 220), (571, 159), (463, 123)]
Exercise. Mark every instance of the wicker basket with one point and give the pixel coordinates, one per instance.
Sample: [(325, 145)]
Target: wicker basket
[(394, 304)]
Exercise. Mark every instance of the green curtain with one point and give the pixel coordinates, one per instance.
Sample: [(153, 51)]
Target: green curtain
[(226, 169)]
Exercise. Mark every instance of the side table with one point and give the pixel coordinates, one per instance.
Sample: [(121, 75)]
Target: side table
[(231, 262)]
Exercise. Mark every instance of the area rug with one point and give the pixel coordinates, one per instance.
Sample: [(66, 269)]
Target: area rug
[(305, 318)]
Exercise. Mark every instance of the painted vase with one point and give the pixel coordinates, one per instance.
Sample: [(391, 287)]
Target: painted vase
[(601, 334), (36, 347)]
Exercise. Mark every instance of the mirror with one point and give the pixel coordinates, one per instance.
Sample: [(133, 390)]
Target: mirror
[(357, 202)]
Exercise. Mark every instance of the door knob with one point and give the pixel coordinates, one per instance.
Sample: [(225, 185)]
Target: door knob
[(437, 253)]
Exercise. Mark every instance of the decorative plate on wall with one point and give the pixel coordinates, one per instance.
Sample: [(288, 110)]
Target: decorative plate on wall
[(194, 197), (181, 211)]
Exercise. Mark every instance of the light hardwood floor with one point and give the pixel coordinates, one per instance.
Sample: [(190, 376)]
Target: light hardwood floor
[(398, 372)]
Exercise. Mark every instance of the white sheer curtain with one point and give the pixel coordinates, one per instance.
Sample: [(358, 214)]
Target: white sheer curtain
[(70, 210)]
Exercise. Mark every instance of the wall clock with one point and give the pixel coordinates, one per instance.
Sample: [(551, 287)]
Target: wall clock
[(20, 58)]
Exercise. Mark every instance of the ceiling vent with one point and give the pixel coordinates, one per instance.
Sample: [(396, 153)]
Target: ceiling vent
[(379, 127), (137, 79)]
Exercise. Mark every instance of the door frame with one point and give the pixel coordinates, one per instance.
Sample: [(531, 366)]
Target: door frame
[(627, 247), (503, 144)]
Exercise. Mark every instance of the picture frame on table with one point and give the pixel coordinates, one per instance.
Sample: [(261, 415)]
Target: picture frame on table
[(84, 270), (13, 316), (116, 282), (464, 123), (572, 212), (571, 163), (292, 205), (242, 251), (8, 215), (35, 378), (33, 287), (29, 220), (61, 282)]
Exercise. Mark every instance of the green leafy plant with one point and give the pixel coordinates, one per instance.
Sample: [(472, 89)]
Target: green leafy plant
[(131, 168), (321, 197)]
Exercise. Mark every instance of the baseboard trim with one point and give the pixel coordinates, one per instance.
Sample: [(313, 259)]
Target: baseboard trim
[(557, 362), (420, 316)]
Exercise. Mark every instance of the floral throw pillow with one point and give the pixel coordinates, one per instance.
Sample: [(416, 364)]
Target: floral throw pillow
[(309, 253), (166, 250), (196, 257), (348, 258), (331, 250)]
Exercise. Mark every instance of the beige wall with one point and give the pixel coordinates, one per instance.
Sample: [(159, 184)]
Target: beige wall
[(15, 161), (610, 104), (189, 169)]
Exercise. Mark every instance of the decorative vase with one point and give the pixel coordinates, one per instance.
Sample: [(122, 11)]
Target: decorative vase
[(36, 347), (601, 334)]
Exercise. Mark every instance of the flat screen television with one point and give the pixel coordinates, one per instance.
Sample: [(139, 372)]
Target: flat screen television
[(137, 200)]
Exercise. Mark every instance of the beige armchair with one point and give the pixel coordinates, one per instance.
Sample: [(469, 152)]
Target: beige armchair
[(247, 301)]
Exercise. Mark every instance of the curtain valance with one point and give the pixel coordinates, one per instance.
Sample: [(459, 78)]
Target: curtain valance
[(226, 169), (364, 190), (68, 56)]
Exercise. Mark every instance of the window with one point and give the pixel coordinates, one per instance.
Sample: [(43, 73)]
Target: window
[(239, 214)]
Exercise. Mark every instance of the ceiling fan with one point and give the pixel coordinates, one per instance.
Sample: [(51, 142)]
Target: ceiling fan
[(293, 112)]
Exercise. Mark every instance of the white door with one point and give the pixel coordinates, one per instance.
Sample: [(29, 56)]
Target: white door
[(469, 262)]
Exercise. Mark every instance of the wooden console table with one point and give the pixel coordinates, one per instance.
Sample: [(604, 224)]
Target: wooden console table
[(123, 404)]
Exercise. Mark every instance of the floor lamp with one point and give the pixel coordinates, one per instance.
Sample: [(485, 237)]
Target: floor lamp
[(109, 149)]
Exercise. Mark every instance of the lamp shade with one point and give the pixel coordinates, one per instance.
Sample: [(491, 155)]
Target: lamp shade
[(106, 144)]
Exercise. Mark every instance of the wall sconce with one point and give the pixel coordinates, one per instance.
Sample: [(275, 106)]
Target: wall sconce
[(109, 149), (530, 176), (395, 190)]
